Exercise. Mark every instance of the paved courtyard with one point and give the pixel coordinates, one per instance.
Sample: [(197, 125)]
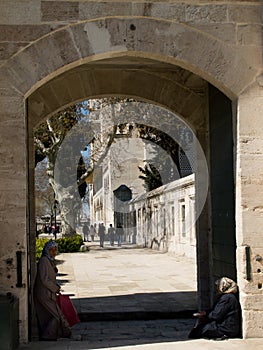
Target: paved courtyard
[(131, 298), (128, 281)]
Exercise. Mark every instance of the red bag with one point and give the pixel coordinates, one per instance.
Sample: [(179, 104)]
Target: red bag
[(68, 309)]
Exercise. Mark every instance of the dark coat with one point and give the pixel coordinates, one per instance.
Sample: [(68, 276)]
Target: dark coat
[(119, 231), (224, 319)]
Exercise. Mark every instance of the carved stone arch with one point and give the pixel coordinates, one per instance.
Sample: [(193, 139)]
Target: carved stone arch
[(143, 37)]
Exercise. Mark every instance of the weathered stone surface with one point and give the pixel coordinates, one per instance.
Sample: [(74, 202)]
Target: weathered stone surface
[(35, 62), (260, 80), (89, 10), (9, 49), (19, 12), (249, 214), (251, 104), (59, 11), (253, 321), (11, 106), (251, 145), (246, 13), (25, 33), (44, 103), (206, 13), (225, 32), (250, 35), (175, 12)]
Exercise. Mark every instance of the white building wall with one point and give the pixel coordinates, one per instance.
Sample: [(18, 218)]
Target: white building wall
[(166, 218)]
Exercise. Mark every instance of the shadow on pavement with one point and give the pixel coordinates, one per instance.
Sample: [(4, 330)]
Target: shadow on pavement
[(138, 306), (140, 318), (124, 333)]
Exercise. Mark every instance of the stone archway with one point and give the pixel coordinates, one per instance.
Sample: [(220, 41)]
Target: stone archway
[(45, 65), (157, 39), (170, 86)]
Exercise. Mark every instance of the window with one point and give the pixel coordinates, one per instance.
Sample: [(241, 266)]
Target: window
[(183, 220), (172, 221)]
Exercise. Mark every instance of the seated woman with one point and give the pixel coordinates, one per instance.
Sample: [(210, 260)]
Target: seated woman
[(224, 321), (51, 322)]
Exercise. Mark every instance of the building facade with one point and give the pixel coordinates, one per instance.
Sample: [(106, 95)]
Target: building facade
[(120, 166)]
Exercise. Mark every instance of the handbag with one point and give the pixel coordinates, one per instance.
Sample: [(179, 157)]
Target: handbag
[(68, 309)]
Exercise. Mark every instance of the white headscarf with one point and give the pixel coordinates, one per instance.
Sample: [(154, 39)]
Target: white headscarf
[(225, 285)]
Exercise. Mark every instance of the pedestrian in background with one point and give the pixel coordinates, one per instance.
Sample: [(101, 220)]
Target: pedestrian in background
[(85, 231), (102, 234), (96, 230), (111, 233), (119, 234), (54, 231), (92, 232)]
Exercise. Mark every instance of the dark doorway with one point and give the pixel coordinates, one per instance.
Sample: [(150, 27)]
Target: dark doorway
[(222, 185)]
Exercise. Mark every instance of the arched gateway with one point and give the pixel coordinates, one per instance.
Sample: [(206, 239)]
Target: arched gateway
[(182, 67)]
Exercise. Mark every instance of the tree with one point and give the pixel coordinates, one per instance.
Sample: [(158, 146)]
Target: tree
[(43, 192), (169, 135), (151, 177), (62, 137), (49, 143)]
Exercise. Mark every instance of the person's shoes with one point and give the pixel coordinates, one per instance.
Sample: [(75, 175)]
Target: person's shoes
[(224, 337), (76, 337)]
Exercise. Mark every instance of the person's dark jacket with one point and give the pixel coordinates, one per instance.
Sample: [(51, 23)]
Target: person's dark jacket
[(225, 318)]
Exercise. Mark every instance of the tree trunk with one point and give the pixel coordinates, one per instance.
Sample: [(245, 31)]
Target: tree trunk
[(68, 203)]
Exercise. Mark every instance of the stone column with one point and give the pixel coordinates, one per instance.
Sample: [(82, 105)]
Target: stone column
[(249, 208), (13, 189)]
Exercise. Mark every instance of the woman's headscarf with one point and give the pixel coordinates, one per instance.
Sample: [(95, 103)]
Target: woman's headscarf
[(47, 246), (225, 285)]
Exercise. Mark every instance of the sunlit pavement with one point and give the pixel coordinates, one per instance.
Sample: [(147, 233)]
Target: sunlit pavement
[(127, 281), (132, 298)]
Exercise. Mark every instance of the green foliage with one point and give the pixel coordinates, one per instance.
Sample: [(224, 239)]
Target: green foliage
[(69, 244), (40, 242), (65, 245), (151, 176)]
